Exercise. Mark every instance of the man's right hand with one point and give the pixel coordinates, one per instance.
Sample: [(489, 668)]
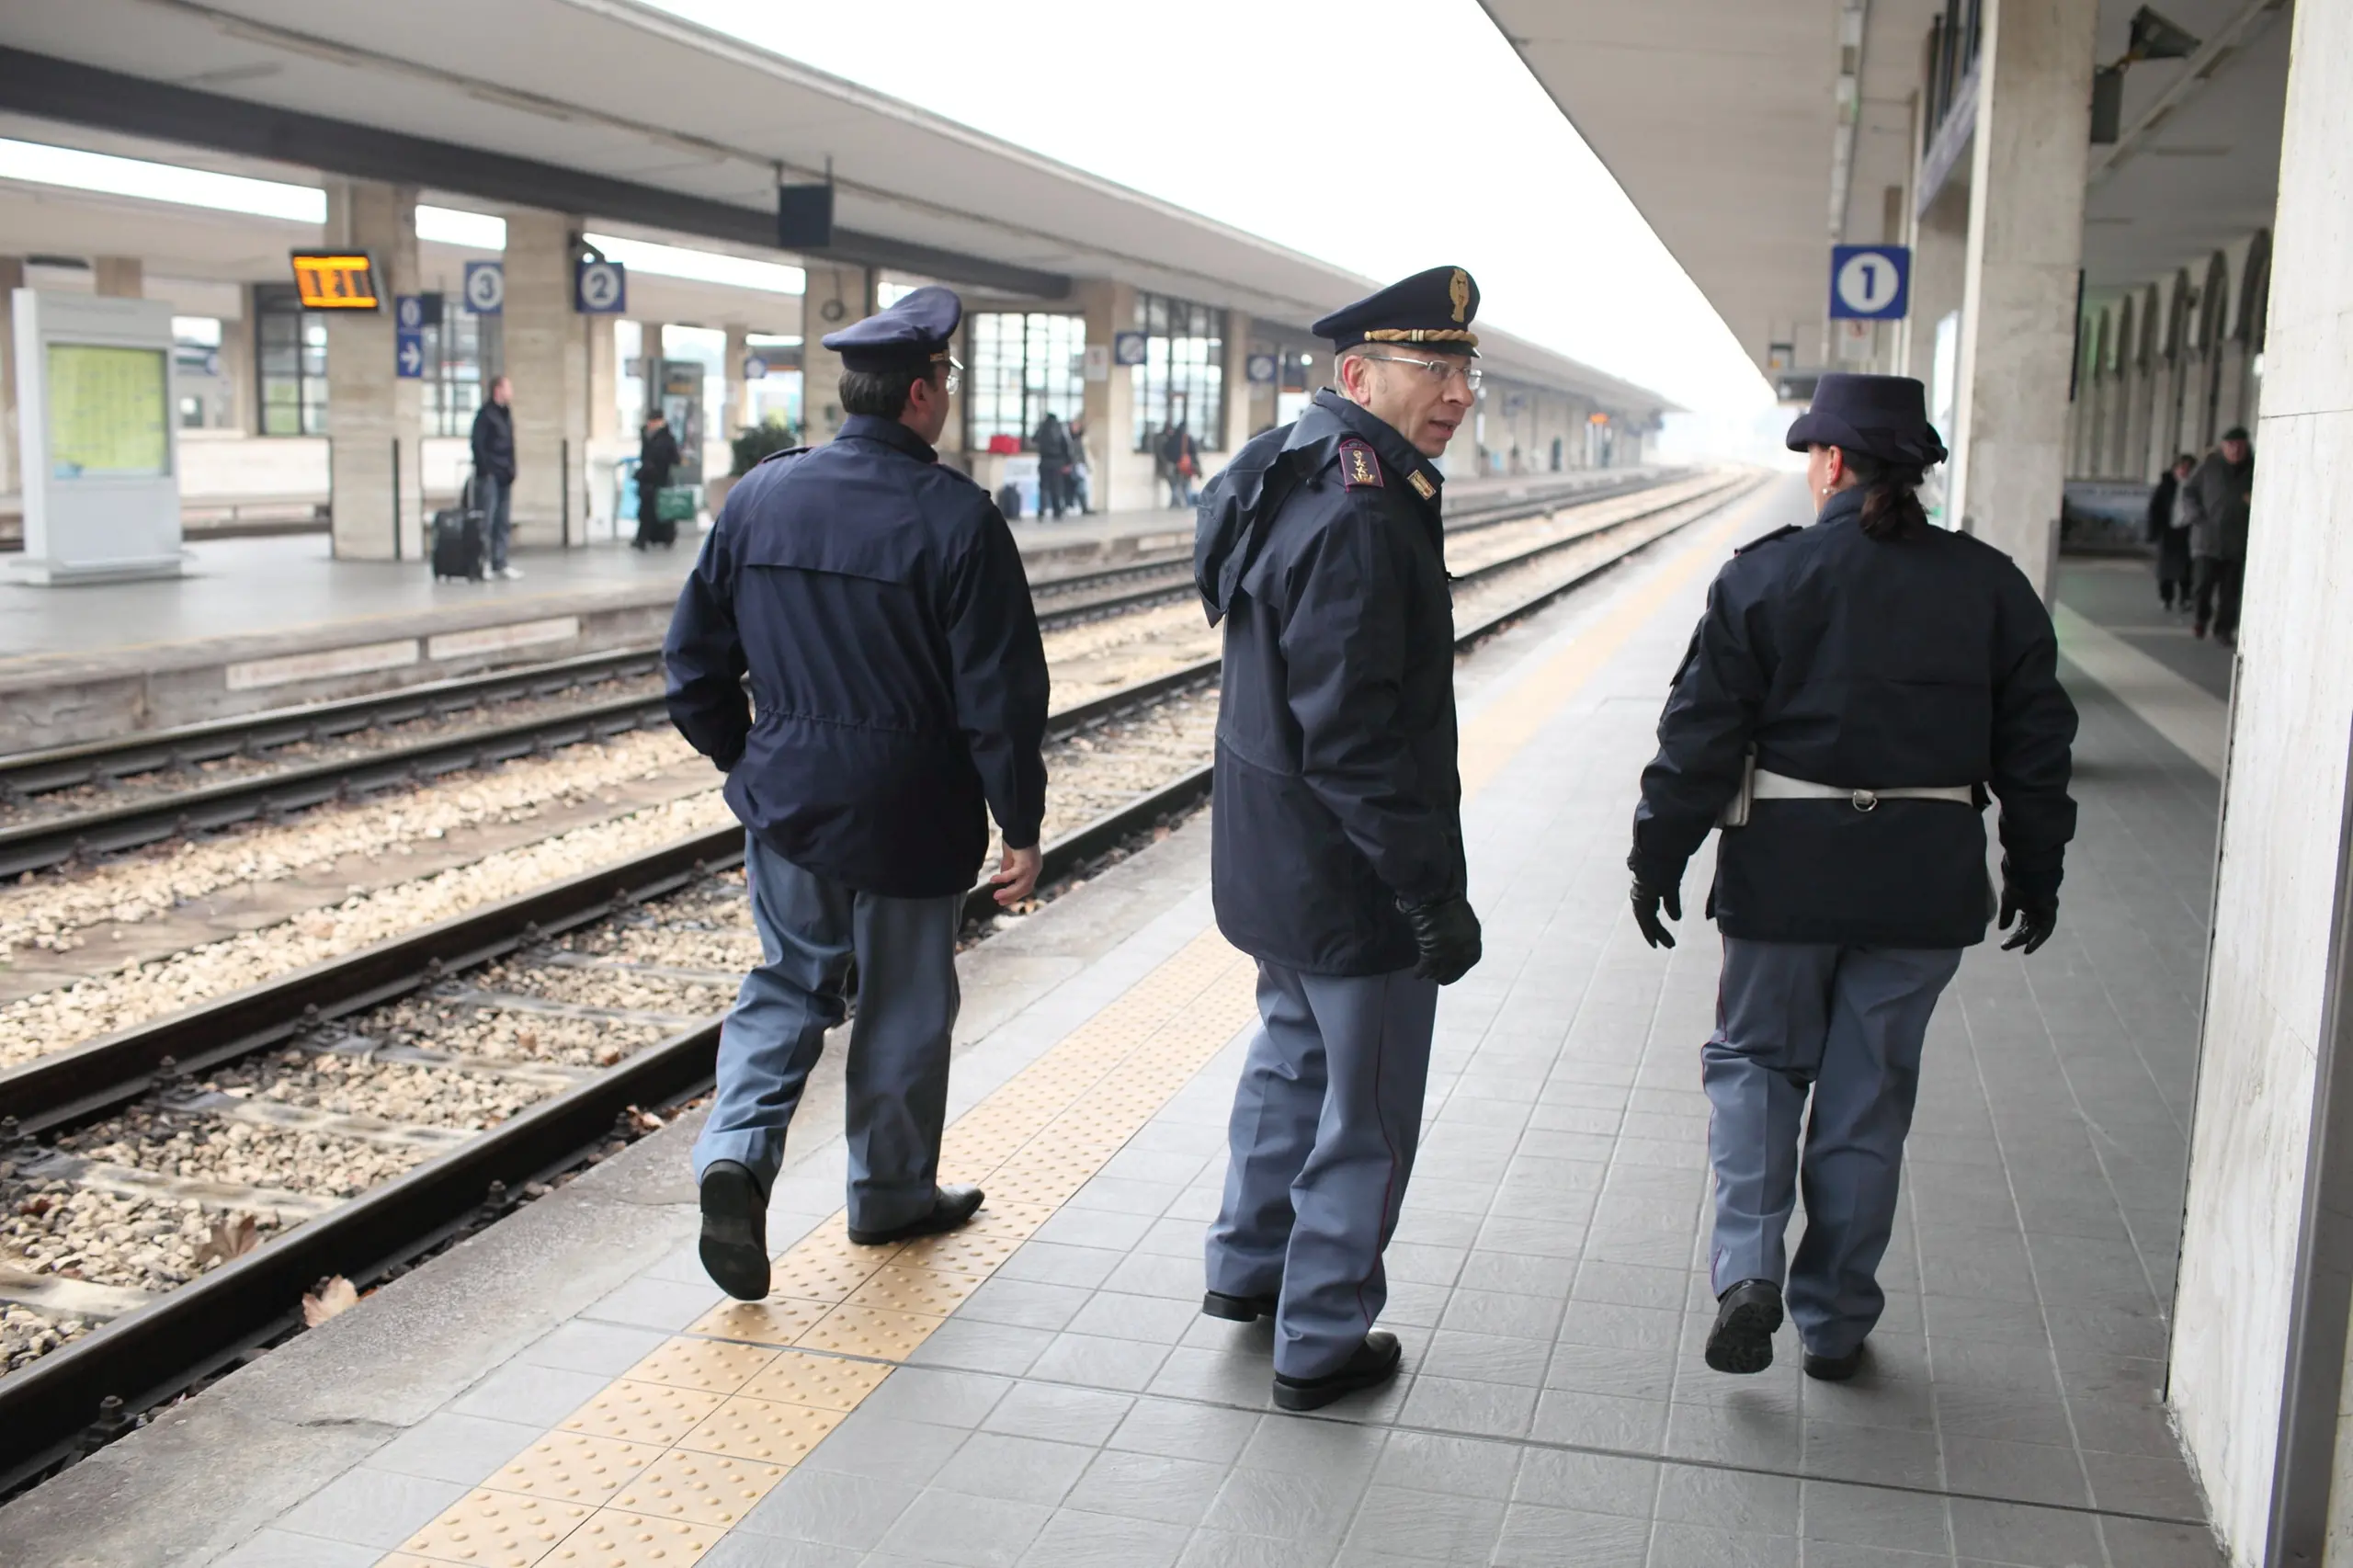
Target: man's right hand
[(1648, 901), (1447, 932), (1017, 875)]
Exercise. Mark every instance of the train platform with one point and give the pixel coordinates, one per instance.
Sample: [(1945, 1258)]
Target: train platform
[(567, 1388), (273, 623)]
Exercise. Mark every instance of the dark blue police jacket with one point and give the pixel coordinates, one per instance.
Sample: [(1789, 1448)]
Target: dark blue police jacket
[(1336, 793), (880, 606), (1921, 659)]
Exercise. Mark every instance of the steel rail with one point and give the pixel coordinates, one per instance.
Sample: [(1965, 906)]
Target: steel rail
[(153, 1353)]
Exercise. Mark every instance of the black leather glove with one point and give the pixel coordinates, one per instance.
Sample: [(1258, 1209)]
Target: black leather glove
[(1447, 932), (2036, 918), (1648, 901)]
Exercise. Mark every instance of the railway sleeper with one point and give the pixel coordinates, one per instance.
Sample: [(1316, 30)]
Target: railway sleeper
[(55, 1296), (512, 1002), (129, 1181), (306, 1119), (551, 1074)]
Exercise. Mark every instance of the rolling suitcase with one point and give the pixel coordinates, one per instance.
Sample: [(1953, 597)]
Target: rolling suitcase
[(458, 538)]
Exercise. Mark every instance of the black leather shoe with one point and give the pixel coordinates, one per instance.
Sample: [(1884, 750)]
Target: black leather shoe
[(1834, 1368), (734, 1231), (1746, 1315), (1236, 1309), (951, 1207), (1374, 1363)]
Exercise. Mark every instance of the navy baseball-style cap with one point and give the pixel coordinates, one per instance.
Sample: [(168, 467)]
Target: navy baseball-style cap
[(913, 333), (1880, 417), (1434, 308)]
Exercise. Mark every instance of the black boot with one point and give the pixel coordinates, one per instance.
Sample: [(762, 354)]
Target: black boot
[(1371, 1364), (734, 1231), (951, 1207), (1746, 1315), (1236, 1309), (1834, 1368)]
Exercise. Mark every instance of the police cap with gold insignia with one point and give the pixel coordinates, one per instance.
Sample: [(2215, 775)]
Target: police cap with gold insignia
[(1432, 310), (912, 334)]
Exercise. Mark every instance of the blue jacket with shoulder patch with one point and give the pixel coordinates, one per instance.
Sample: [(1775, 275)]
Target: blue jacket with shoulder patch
[(1336, 793)]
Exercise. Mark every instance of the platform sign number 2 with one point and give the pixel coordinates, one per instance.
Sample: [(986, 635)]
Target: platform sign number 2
[(600, 289), (1870, 282)]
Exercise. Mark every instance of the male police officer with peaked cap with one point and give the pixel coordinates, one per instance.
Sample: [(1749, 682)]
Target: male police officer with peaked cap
[(876, 601), (1338, 838)]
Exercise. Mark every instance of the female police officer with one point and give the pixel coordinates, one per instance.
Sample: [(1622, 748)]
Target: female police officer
[(1850, 691)]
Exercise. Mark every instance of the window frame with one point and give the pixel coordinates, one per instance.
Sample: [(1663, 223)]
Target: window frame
[(1167, 321), (1039, 384)]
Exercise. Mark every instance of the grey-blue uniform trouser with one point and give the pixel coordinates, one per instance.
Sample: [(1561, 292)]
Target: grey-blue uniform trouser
[(1326, 1121), (895, 1096), (1847, 1023)]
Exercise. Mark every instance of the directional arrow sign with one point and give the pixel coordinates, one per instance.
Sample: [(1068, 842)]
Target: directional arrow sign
[(408, 354)]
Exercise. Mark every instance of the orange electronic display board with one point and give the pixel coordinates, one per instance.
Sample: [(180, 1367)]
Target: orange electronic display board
[(335, 281)]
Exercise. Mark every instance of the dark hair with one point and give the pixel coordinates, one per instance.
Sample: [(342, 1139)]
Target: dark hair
[(882, 393), (2188, 457), (1890, 495)]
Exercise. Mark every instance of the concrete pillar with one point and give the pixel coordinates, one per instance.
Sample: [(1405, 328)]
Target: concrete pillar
[(738, 412), (372, 414), (604, 383), (2025, 223), (546, 344), (238, 367), (836, 295), (1238, 423), (2258, 1376), (119, 276), (1122, 478), (12, 278)]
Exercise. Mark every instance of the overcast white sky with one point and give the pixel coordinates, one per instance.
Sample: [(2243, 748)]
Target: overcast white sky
[(1236, 109)]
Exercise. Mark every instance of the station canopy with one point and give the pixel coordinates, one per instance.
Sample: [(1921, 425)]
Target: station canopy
[(628, 115), (1722, 119)]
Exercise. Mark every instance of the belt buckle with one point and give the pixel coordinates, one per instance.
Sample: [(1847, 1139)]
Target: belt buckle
[(1863, 800)]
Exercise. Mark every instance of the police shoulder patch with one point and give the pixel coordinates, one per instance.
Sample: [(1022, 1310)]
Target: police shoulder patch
[(1421, 484), (1767, 538), (1359, 465)]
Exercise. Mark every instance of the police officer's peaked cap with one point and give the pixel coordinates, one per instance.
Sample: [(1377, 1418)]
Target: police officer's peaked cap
[(1880, 417), (912, 334), (1431, 309)]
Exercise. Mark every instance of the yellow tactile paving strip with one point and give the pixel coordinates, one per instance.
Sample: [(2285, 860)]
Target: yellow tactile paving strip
[(655, 1469)]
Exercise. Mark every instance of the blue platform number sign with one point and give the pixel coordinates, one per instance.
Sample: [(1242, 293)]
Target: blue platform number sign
[(1261, 368), (1870, 282), (408, 314), (408, 354), (754, 368), (600, 289), (486, 288), (1127, 348)]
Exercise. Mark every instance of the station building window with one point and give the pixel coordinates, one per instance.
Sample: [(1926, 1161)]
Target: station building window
[(1025, 366), (1182, 378), (290, 362), (201, 390), (460, 360)]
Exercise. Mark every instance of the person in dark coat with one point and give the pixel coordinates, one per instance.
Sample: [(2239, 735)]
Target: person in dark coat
[(1336, 843), (2170, 533), (898, 700), (1052, 443), (658, 455), (1852, 691), (2215, 502), (493, 440)]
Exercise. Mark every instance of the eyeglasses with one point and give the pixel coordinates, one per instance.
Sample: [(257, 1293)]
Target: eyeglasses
[(955, 375), (1439, 371)]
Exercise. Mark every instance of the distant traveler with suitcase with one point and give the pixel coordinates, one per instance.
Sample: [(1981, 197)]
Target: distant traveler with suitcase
[(494, 444), (657, 454)]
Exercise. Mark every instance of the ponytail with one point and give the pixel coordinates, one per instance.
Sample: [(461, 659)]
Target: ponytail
[(1891, 496)]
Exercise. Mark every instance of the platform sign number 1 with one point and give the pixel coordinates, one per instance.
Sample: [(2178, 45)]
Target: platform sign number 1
[(1870, 282)]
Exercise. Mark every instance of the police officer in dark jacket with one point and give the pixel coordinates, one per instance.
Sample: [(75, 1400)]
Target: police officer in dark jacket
[(1850, 694), (1336, 845), (879, 605)]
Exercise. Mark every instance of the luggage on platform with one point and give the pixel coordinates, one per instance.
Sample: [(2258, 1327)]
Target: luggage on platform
[(461, 534)]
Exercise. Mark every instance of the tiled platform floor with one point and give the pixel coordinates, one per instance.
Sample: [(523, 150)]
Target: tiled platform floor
[(1549, 1277)]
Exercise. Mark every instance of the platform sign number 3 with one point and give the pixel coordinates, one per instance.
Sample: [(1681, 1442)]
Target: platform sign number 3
[(600, 289), (1870, 282), (486, 288)]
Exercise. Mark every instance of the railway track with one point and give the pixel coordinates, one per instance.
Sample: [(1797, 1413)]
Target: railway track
[(510, 994), (201, 807)]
